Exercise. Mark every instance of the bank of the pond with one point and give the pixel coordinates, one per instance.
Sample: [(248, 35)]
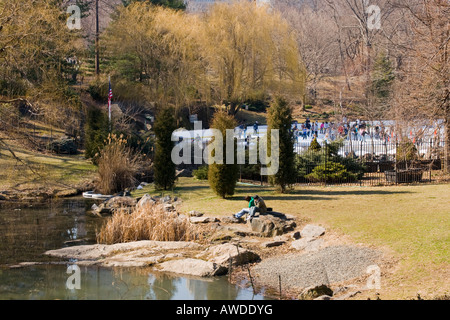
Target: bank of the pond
[(41, 194), (270, 251), (29, 230)]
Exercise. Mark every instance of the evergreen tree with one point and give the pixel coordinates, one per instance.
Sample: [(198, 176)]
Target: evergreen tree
[(164, 168), (96, 132), (314, 146), (280, 117), (380, 90), (382, 77), (223, 177)]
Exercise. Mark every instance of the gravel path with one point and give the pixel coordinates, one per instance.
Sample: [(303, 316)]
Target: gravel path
[(327, 266)]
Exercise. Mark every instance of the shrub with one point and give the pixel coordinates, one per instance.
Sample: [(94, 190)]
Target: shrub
[(98, 90), (331, 172), (257, 102), (118, 166), (354, 166), (13, 87), (201, 173), (315, 156), (149, 222), (306, 162)]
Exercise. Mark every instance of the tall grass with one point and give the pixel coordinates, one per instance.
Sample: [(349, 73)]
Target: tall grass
[(150, 222), (118, 166)]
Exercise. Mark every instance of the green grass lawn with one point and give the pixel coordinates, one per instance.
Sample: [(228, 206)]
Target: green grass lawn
[(411, 223), (250, 117), (50, 171)]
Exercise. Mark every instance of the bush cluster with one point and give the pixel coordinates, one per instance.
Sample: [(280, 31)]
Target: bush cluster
[(324, 164), (331, 172), (201, 173)]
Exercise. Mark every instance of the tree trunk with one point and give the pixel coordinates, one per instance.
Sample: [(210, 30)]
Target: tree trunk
[(446, 163)]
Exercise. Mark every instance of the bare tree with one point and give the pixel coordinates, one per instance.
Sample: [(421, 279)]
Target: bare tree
[(423, 86), (315, 34)]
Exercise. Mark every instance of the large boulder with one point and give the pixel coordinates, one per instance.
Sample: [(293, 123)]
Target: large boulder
[(223, 253), (145, 201), (312, 231), (270, 226), (309, 240), (195, 214), (120, 202), (312, 293), (193, 267), (114, 204), (63, 146)]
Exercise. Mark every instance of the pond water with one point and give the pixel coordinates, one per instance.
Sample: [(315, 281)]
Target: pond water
[(27, 232)]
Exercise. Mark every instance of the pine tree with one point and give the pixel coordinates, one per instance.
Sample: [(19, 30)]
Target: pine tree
[(314, 146), (382, 77), (223, 177), (280, 118), (381, 87), (96, 132), (164, 168)]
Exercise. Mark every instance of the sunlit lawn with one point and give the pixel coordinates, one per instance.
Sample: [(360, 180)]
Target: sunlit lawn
[(412, 222), (42, 170)]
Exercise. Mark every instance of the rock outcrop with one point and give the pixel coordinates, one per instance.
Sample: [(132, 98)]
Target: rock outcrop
[(186, 258)]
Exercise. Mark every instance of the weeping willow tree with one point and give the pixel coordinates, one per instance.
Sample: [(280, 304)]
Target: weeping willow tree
[(153, 54), (231, 53), (249, 49)]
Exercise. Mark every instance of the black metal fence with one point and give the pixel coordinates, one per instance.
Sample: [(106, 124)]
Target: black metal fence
[(364, 163)]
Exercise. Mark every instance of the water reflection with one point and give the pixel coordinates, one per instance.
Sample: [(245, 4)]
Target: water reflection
[(47, 282), (27, 232)]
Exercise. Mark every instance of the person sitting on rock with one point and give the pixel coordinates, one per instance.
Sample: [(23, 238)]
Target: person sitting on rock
[(250, 210), (260, 204)]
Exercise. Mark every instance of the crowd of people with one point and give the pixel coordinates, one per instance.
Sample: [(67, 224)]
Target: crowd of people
[(358, 130), (327, 130), (330, 131)]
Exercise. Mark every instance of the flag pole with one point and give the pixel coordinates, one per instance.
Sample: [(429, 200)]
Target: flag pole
[(109, 103)]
